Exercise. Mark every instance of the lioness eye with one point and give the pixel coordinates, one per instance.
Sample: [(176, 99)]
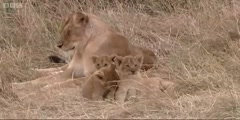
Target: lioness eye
[(98, 64), (127, 65), (105, 65), (136, 65)]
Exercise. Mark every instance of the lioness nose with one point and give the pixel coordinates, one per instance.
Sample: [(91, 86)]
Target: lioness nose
[(132, 71), (60, 45)]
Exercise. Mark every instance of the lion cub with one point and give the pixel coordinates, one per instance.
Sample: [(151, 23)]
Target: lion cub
[(103, 81), (128, 68), (131, 80), (102, 61)]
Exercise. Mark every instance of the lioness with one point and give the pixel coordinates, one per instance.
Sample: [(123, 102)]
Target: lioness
[(101, 82), (88, 36), (89, 33)]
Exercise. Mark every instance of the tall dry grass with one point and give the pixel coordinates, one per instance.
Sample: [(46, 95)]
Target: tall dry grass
[(190, 37)]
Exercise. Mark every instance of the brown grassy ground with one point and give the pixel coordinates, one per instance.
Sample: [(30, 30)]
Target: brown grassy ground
[(190, 37)]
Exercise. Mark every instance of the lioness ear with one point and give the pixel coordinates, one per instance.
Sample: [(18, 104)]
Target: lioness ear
[(80, 18), (94, 59), (139, 58), (118, 60), (65, 22)]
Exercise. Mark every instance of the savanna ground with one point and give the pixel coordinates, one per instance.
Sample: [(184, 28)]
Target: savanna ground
[(196, 42)]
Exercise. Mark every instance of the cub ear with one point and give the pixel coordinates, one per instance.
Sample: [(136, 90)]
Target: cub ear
[(112, 57), (80, 19), (139, 58), (94, 59), (118, 60)]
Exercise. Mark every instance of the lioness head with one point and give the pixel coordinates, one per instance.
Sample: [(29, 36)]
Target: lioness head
[(73, 32), (129, 64), (102, 61)]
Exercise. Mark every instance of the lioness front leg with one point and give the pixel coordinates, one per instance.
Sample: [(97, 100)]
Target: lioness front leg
[(73, 71), (59, 77), (43, 81), (52, 71), (70, 83)]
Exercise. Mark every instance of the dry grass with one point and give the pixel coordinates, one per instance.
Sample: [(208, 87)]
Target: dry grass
[(190, 37)]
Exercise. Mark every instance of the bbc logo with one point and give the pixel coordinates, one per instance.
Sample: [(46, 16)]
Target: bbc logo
[(12, 5)]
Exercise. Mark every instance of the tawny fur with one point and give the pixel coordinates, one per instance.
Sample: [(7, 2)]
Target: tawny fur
[(99, 82)]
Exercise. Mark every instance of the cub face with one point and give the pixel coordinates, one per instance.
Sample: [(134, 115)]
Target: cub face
[(102, 61), (73, 31), (129, 65)]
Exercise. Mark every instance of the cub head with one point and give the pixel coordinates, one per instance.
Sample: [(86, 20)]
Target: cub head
[(129, 64), (102, 61), (106, 74), (73, 32)]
